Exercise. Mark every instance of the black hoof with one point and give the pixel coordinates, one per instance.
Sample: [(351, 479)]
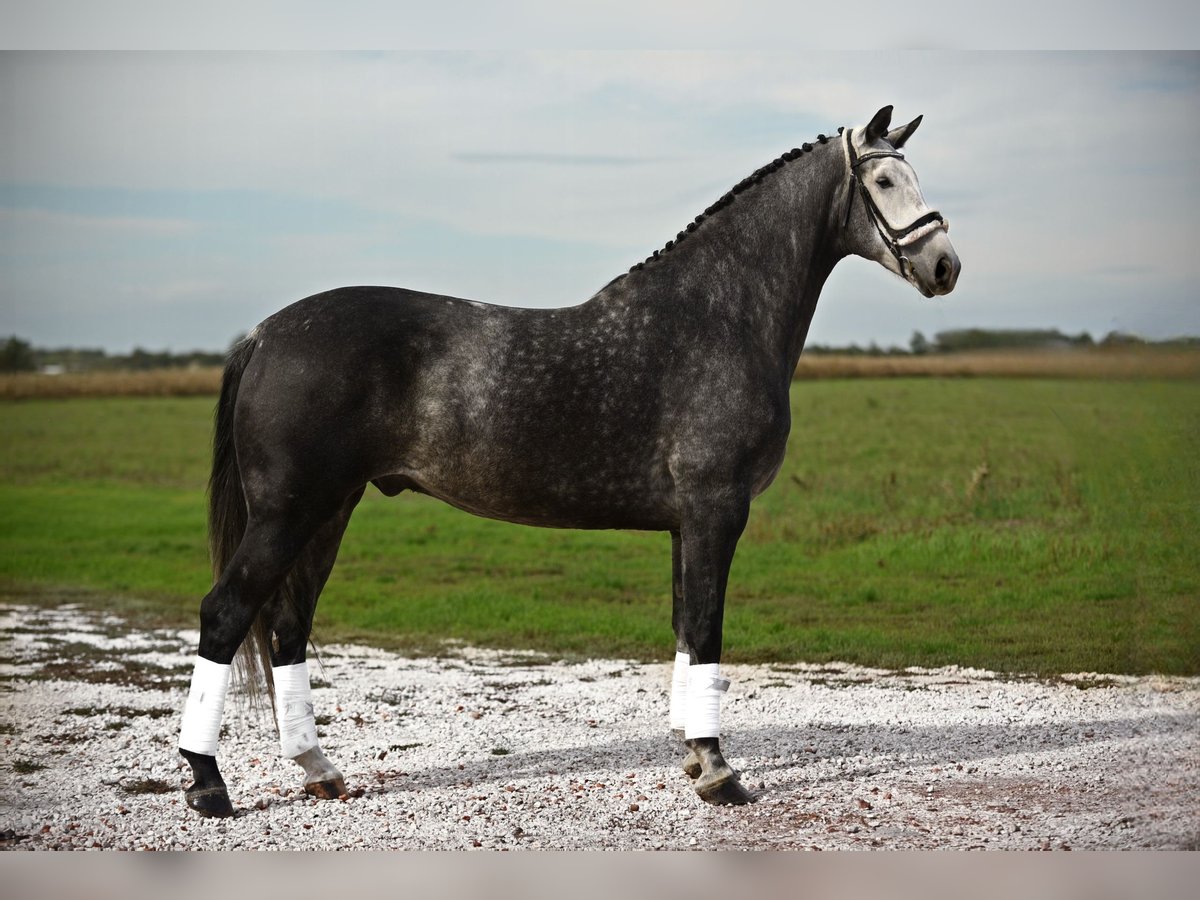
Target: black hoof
[(724, 790), (210, 801), (327, 790), (207, 795)]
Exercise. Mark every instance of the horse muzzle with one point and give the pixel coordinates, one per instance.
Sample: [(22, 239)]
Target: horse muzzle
[(945, 273), (934, 270)]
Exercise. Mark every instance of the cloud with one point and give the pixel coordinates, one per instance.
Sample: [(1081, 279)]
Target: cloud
[(21, 223), (557, 159)]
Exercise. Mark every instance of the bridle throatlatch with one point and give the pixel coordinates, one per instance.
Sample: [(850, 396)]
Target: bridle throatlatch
[(894, 238)]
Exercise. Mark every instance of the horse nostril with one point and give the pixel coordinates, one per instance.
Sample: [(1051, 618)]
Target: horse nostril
[(941, 274)]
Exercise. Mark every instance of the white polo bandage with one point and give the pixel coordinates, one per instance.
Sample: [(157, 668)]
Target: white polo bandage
[(705, 687), (679, 691), (294, 709), (201, 726)]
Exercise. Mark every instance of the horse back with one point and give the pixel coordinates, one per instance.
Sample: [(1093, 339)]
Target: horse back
[(554, 417)]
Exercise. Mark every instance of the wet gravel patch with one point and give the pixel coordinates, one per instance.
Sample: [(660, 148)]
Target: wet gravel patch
[(501, 750)]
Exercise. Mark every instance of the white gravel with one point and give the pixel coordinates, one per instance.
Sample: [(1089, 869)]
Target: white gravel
[(503, 750)]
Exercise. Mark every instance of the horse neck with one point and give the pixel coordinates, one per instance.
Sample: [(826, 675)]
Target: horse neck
[(758, 265)]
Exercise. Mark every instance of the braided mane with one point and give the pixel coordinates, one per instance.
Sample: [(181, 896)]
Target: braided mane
[(747, 182)]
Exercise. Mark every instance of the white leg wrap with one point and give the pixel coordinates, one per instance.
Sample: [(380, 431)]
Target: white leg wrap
[(705, 687), (294, 709), (679, 691), (201, 726)]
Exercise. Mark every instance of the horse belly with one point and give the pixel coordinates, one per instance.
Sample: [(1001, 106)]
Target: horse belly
[(558, 484)]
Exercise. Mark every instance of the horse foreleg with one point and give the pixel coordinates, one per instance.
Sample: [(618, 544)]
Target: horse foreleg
[(702, 555), (683, 659)]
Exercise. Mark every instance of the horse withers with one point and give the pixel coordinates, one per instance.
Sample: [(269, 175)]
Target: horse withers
[(662, 403)]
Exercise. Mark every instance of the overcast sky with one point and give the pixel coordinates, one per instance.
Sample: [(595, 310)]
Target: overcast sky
[(173, 200)]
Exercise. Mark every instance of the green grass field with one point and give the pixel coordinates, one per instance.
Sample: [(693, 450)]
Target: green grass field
[(1022, 525)]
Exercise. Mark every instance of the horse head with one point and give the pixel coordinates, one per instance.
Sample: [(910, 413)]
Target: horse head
[(887, 219)]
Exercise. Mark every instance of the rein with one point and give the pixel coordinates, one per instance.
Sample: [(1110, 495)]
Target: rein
[(894, 238)]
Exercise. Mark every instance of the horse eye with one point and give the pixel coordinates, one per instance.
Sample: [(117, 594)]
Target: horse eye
[(883, 181)]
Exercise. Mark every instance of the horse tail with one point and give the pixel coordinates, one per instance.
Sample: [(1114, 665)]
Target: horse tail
[(227, 523), (226, 499)]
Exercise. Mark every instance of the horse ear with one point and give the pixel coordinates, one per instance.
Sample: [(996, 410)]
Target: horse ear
[(879, 125), (897, 136)]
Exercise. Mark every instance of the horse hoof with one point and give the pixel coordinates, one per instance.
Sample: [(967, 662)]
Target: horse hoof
[(691, 765), (724, 790), (210, 802), (326, 790)]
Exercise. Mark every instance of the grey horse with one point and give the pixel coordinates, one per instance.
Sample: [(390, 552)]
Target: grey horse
[(662, 403)]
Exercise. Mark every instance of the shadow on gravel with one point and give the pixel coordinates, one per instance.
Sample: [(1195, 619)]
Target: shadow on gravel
[(885, 749)]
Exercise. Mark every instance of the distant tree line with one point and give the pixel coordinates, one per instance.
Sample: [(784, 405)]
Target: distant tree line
[(18, 355), (969, 339)]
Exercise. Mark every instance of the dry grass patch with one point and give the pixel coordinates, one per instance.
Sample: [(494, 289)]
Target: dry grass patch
[(1144, 362), (152, 383), (1099, 363)]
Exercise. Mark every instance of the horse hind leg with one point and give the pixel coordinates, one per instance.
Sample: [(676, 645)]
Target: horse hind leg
[(298, 738), (266, 554), (255, 571), (289, 622)]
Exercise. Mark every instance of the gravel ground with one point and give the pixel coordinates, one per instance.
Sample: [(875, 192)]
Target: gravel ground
[(502, 750)]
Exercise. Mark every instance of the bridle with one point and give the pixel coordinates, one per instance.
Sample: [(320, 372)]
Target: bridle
[(894, 238)]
